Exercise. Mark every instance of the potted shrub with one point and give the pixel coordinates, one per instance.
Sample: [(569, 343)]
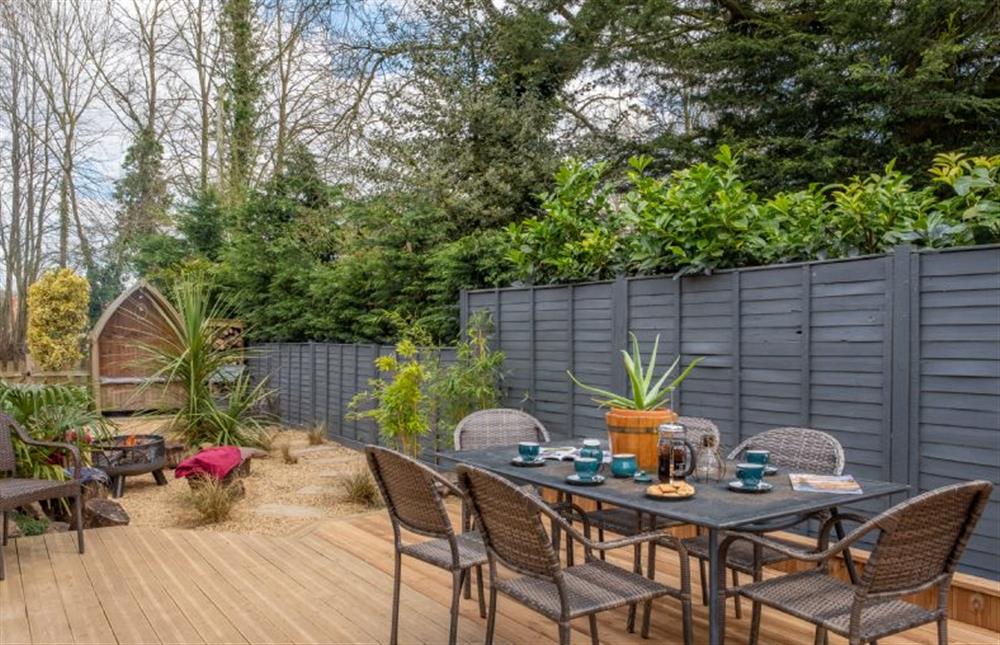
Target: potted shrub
[(633, 419)]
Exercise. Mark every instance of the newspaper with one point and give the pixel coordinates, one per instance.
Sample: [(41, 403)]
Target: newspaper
[(840, 484)]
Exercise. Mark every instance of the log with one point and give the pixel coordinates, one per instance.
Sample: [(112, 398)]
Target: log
[(103, 512), (175, 453)]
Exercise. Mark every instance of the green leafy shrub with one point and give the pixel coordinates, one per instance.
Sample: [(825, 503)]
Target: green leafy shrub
[(64, 413), (706, 217), (402, 408), (58, 314), (474, 381)]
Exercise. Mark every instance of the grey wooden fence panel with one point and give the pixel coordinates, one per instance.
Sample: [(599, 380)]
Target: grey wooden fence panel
[(898, 356), (959, 382)]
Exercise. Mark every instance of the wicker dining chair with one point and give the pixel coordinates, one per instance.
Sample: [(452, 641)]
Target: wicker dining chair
[(498, 427), (413, 498), (15, 492), (514, 533), (919, 543), (798, 449)]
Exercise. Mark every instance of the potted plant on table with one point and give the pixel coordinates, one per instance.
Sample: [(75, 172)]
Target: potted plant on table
[(633, 419)]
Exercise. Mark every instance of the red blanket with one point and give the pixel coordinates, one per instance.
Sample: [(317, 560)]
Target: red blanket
[(216, 462)]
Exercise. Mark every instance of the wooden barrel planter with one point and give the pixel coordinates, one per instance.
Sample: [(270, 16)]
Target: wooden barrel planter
[(635, 431)]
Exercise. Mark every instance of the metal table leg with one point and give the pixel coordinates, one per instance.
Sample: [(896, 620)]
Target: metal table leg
[(716, 605), (838, 528)]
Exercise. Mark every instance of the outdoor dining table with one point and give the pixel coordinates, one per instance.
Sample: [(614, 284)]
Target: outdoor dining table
[(714, 506)]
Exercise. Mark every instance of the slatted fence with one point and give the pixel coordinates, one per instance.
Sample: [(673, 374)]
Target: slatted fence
[(896, 355)]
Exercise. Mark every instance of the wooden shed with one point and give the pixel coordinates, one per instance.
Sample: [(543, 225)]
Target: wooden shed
[(139, 315)]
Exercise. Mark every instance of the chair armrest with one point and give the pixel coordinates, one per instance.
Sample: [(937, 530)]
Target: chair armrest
[(821, 556), (639, 538)]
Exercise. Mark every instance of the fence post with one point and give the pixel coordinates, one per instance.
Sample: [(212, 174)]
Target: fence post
[(619, 332), (463, 313), (736, 354), (571, 356), (531, 350), (902, 363), (805, 355)]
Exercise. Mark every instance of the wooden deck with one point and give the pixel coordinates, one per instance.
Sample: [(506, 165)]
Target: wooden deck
[(332, 585)]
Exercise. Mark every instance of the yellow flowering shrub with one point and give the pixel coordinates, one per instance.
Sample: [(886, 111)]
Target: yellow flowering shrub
[(57, 319)]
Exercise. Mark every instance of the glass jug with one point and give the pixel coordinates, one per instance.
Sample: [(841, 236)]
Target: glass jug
[(676, 456)]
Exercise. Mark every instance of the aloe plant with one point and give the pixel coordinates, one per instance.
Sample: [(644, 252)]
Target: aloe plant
[(645, 395)]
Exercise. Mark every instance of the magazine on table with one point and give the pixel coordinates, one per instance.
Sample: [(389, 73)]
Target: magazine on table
[(840, 484)]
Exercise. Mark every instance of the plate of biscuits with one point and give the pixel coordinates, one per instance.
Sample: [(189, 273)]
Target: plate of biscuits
[(670, 491)]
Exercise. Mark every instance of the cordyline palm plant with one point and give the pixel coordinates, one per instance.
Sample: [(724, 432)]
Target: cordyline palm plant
[(195, 356), (645, 395)]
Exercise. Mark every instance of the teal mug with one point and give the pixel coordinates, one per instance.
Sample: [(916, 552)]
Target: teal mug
[(529, 450), (758, 457), (750, 474), (624, 465), (592, 448), (586, 467)]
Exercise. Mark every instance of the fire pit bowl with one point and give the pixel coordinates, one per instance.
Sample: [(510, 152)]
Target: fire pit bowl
[(131, 454)]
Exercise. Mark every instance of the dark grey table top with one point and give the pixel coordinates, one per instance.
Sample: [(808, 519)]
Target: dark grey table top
[(713, 505)]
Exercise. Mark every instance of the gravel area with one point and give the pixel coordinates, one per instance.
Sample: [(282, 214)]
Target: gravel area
[(281, 499)]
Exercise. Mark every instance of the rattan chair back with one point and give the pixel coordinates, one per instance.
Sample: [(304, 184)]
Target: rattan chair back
[(511, 523), (409, 491), (498, 427), (800, 449), (922, 539), (697, 428)]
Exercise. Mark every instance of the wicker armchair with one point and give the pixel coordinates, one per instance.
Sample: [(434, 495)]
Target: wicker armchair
[(498, 427), (16, 492), (919, 543), (801, 449), (413, 498), (512, 527)]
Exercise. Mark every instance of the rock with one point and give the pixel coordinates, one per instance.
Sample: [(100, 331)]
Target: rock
[(254, 453), (104, 512), (58, 527), (315, 489), (13, 530), (288, 511), (34, 509)]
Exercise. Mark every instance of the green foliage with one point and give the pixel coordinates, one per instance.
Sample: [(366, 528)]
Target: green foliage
[(818, 90), (402, 408), (141, 193), (706, 217), (473, 381), (64, 413), (30, 526), (577, 237), (646, 395), (58, 313), (195, 357), (242, 93)]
